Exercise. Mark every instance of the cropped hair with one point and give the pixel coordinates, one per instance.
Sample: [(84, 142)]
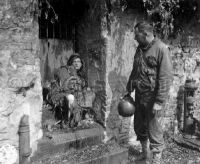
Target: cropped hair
[(144, 26)]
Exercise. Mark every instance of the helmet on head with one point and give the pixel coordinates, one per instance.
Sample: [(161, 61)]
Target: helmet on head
[(126, 107)]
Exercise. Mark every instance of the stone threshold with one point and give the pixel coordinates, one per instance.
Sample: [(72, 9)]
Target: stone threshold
[(62, 142), (188, 142)]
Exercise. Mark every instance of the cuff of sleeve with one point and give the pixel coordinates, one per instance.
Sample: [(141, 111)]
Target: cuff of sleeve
[(157, 106)]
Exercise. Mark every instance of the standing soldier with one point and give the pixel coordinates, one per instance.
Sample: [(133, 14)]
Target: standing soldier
[(151, 79)]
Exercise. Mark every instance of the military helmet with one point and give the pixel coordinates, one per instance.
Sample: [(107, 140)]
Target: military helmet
[(126, 106)]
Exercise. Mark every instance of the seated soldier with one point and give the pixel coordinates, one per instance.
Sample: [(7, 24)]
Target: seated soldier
[(70, 90)]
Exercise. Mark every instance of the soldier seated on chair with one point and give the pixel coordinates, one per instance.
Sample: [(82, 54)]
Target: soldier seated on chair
[(69, 91)]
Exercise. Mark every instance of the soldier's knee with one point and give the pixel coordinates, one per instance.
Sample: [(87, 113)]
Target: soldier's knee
[(70, 98)]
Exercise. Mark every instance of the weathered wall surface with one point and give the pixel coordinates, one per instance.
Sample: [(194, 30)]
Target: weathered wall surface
[(53, 54), (120, 52), (20, 79)]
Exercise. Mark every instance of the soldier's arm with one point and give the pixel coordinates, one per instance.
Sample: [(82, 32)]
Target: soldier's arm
[(129, 86), (165, 76)]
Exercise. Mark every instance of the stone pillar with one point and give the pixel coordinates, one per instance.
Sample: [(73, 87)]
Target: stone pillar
[(20, 79), (91, 47), (120, 50)]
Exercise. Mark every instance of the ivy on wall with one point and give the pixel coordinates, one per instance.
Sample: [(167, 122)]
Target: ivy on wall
[(167, 16), (161, 13)]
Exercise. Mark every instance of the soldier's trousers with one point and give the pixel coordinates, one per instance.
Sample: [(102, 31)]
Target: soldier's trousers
[(148, 126)]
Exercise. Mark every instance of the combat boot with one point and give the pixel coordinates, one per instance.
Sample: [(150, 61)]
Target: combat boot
[(157, 158), (144, 154)]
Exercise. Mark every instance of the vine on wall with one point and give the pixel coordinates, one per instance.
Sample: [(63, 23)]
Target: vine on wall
[(47, 8), (167, 15), (161, 12)]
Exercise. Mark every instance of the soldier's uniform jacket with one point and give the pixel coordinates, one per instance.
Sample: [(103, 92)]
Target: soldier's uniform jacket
[(152, 73), (67, 82)]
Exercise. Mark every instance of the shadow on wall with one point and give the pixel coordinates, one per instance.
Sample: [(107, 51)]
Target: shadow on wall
[(118, 86)]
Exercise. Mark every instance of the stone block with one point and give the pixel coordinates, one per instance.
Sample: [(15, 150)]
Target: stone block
[(63, 142)]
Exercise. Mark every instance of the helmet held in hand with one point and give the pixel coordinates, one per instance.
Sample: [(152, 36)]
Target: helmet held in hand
[(126, 106)]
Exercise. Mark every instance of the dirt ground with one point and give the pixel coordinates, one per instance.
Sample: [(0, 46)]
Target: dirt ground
[(172, 154)]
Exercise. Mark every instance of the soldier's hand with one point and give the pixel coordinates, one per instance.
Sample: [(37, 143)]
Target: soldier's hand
[(126, 95)]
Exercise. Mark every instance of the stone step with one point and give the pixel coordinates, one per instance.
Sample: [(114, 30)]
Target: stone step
[(62, 142), (98, 154)]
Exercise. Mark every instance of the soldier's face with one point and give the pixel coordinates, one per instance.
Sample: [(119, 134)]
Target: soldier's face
[(77, 63), (140, 37)]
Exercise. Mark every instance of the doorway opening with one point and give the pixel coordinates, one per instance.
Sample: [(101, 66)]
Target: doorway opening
[(68, 28)]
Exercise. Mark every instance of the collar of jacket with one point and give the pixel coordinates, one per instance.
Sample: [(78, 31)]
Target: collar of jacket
[(149, 45)]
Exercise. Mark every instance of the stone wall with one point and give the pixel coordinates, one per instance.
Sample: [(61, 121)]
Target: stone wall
[(20, 79), (120, 51)]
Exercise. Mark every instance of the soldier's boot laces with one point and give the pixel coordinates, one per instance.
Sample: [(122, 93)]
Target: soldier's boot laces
[(157, 158), (144, 153)]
